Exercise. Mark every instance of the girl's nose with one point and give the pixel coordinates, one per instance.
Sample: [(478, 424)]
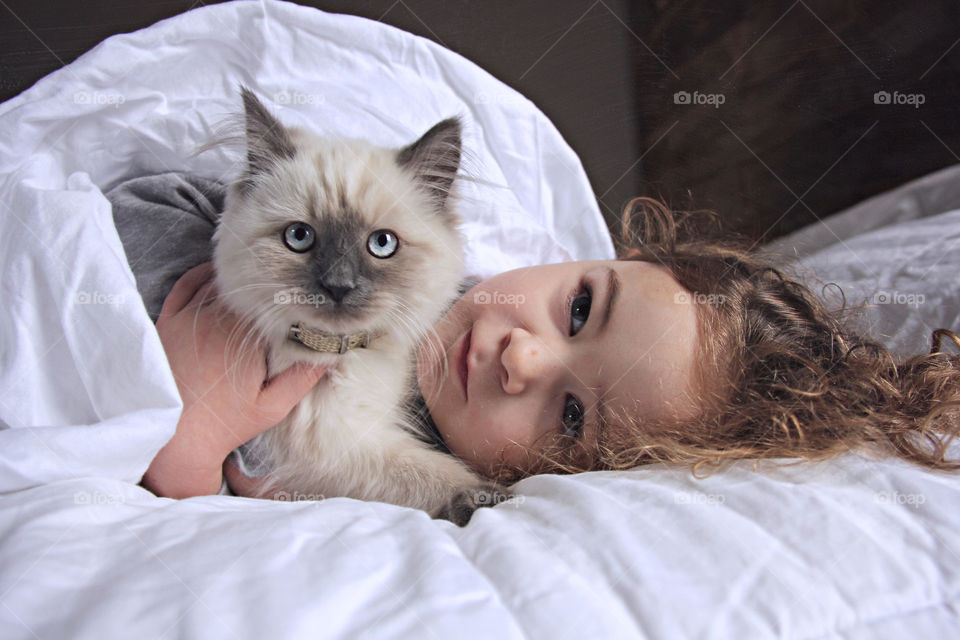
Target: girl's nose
[(525, 359)]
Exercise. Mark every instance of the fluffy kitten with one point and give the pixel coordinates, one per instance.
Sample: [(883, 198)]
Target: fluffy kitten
[(341, 237)]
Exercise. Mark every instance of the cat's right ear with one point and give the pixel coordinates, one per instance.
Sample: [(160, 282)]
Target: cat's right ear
[(267, 139)]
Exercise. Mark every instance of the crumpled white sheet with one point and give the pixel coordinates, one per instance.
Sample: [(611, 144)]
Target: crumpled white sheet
[(852, 548), (897, 253)]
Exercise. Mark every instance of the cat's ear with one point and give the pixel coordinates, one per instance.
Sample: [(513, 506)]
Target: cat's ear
[(435, 158), (267, 139)]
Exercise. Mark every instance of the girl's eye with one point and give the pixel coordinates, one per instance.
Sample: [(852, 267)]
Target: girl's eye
[(580, 311), (299, 237), (572, 417), (382, 243)]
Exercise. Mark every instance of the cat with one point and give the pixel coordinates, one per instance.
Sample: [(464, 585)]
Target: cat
[(343, 245)]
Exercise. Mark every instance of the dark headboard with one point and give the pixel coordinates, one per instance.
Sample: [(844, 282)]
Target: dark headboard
[(781, 124)]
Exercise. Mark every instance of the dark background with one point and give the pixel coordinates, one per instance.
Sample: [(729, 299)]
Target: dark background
[(798, 134)]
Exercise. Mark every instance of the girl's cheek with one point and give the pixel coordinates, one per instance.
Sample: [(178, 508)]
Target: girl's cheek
[(503, 434), (490, 438)]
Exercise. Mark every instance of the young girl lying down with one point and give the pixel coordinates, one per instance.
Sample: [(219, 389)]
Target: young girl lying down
[(684, 351)]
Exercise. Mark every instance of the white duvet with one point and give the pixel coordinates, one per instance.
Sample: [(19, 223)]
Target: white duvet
[(852, 548)]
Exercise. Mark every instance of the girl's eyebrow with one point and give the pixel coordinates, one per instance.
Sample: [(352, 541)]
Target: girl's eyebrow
[(613, 290), (601, 419)]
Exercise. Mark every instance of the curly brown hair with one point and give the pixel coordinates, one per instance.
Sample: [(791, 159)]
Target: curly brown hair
[(780, 376)]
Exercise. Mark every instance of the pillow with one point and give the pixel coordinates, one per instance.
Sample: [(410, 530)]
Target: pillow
[(896, 253)]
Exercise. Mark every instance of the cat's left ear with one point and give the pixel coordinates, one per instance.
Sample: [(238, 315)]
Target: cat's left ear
[(435, 158), (267, 139)]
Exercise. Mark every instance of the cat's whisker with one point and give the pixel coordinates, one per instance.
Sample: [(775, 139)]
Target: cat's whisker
[(436, 360), (239, 342), (258, 285), (422, 330), (407, 322), (437, 354), (247, 327)]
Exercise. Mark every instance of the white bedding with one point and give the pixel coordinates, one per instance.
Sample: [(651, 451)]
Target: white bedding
[(851, 549)]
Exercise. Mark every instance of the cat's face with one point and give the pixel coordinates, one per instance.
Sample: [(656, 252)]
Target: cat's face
[(339, 236)]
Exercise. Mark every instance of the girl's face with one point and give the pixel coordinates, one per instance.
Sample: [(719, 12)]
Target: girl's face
[(550, 348)]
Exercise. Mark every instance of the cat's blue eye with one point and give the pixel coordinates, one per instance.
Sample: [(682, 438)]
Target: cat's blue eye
[(580, 311), (382, 243), (299, 237), (572, 416)]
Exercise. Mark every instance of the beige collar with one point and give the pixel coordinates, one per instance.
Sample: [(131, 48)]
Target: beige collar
[(331, 343)]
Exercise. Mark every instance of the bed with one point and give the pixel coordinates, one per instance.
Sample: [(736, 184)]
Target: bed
[(853, 548)]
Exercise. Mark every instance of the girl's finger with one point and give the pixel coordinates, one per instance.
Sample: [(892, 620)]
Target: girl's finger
[(185, 289), (287, 389), (250, 358), (203, 296)]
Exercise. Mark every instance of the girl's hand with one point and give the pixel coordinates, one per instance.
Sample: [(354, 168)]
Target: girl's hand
[(226, 397)]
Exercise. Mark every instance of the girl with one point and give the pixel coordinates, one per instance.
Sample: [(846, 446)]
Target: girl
[(684, 350)]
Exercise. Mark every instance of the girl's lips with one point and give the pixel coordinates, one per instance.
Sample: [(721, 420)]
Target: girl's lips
[(463, 363)]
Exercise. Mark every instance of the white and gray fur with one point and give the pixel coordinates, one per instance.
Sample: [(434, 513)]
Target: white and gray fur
[(350, 436)]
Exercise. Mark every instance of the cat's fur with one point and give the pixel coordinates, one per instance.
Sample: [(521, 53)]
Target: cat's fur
[(350, 436)]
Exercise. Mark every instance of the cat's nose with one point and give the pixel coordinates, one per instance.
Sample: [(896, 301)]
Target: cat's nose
[(337, 293), (336, 275)]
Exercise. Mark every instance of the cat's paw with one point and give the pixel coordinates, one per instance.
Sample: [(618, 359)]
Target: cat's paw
[(462, 505)]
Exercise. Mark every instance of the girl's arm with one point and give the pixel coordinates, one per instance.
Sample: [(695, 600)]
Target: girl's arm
[(226, 397)]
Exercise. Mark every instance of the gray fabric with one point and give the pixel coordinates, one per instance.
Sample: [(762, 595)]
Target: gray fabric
[(249, 461), (166, 224)]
